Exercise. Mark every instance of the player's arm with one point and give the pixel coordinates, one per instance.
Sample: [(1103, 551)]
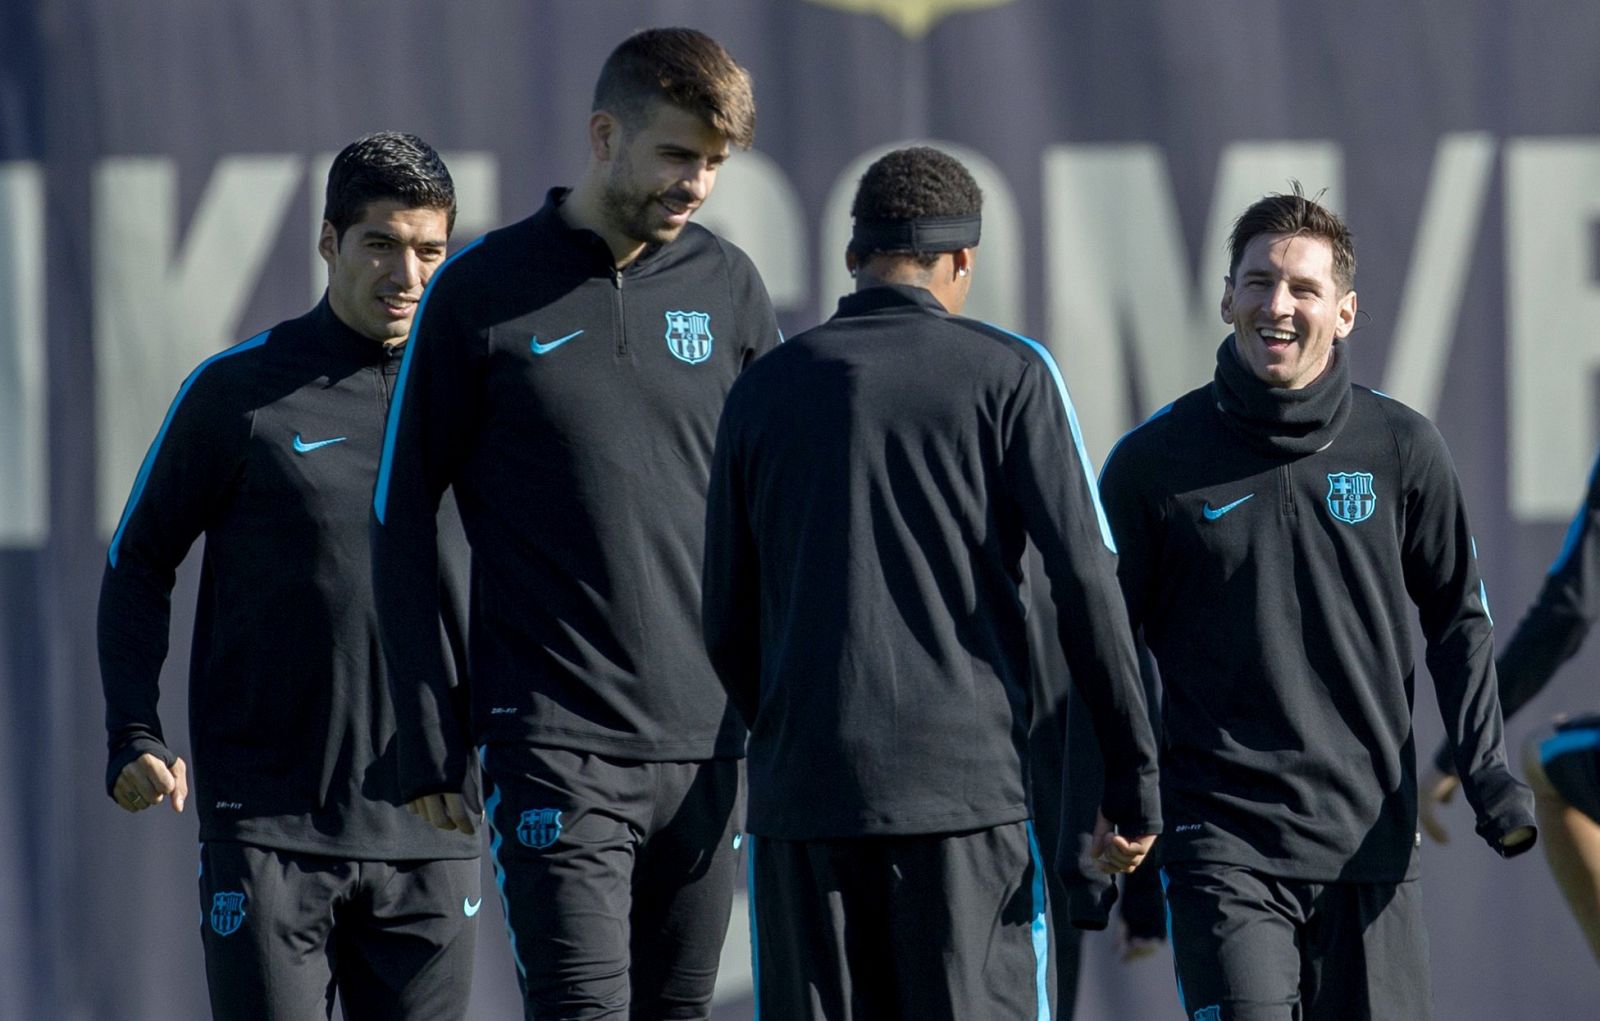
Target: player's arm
[(1551, 632), (730, 595), (431, 417), (183, 482), (1055, 493), (758, 323), (1441, 576)]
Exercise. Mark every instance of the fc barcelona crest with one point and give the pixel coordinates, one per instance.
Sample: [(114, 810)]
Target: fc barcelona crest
[(1350, 496), (227, 912), (689, 336), (539, 827)]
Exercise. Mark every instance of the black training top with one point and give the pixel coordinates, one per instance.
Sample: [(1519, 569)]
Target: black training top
[(1276, 547), (874, 485), (270, 450), (573, 409), (1553, 629)]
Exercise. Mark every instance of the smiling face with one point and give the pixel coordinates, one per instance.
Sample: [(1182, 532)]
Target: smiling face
[(1286, 307), (379, 268), (659, 173)]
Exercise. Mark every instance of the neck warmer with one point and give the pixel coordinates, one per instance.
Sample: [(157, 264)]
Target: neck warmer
[(1278, 421)]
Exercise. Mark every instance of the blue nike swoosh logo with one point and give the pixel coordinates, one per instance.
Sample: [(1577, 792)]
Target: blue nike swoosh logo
[(1213, 513), (544, 349), (302, 447), (470, 907)]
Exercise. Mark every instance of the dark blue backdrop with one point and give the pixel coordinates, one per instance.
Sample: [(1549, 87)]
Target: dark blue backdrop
[(158, 167)]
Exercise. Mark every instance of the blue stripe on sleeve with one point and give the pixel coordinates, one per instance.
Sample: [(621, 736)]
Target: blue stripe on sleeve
[(1158, 413), (1569, 545), (380, 493), (143, 477), (1077, 432)]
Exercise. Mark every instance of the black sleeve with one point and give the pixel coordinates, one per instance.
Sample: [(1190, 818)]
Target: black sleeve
[(731, 579), (430, 417), (188, 475), (758, 324), (1441, 575), (1555, 626), (1054, 490)]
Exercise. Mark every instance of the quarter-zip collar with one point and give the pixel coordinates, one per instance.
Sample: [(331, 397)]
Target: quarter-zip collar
[(581, 248), (347, 344)]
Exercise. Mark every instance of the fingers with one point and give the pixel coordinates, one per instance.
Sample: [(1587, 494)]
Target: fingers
[(180, 784), (460, 816), (146, 782), (445, 812), (1123, 855)]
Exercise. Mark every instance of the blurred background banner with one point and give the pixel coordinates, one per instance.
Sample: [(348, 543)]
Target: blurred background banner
[(161, 168)]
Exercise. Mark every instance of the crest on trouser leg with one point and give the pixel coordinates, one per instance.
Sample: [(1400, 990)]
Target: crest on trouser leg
[(539, 827), (227, 912)]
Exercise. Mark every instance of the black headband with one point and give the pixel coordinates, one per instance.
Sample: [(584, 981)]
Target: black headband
[(924, 236)]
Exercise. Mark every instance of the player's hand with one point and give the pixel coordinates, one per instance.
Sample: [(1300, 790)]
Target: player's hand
[(446, 811), (1113, 852), (1437, 789), (147, 781)]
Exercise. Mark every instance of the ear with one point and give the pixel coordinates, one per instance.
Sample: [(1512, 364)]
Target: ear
[(605, 135), (1227, 300), (852, 261), (328, 244), (963, 261), (1347, 316)]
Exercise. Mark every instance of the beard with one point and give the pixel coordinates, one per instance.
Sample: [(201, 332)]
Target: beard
[(638, 214)]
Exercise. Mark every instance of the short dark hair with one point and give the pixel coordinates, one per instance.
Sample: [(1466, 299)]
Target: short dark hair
[(1294, 213), (686, 68), (387, 165), (915, 183)]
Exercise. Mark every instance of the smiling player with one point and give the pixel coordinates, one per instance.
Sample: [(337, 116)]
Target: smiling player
[(314, 881), (1280, 531), (565, 378)]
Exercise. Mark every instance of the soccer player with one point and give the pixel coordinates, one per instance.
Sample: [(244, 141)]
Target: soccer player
[(1562, 760), (1277, 526), (314, 879), (874, 484), (565, 377)]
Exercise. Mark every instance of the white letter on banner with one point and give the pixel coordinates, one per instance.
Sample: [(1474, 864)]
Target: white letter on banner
[(1552, 305), (1441, 260), (476, 176), (996, 295), (159, 312), (24, 476), (755, 207), (1117, 274)]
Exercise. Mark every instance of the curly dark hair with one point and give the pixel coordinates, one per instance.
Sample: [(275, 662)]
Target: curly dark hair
[(387, 165), (1295, 213), (915, 183)]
